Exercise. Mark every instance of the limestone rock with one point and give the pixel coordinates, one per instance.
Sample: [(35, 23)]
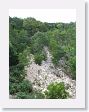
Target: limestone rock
[(42, 76)]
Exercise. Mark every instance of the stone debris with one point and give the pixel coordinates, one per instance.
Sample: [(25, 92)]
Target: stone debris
[(42, 76)]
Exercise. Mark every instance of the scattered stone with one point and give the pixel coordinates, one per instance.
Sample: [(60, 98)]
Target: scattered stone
[(42, 76)]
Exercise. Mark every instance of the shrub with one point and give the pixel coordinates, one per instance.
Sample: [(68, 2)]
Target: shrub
[(56, 91), (38, 58), (32, 95), (25, 85), (13, 88), (17, 73), (72, 65), (22, 95)]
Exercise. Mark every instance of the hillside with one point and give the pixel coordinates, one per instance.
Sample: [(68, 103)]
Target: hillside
[(42, 59)]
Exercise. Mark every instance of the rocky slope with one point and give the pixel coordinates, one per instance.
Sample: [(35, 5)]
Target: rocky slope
[(42, 76)]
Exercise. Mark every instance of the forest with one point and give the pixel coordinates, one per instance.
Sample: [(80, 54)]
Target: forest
[(42, 59)]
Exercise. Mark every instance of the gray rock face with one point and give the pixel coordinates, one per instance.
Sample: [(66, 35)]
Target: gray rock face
[(42, 76)]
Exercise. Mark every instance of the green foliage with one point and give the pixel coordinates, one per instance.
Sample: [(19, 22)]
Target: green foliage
[(21, 40), (39, 40), (17, 73), (25, 86), (56, 91), (32, 95), (29, 36), (13, 58), (32, 26), (16, 23), (13, 88), (24, 56), (56, 50), (39, 58), (57, 55), (22, 95), (72, 65)]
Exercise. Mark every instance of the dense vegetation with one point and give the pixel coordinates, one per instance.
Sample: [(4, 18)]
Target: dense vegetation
[(56, 91), (29, 36)]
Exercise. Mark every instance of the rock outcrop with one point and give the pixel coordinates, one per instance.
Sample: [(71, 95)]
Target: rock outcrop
[(42, 76)]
